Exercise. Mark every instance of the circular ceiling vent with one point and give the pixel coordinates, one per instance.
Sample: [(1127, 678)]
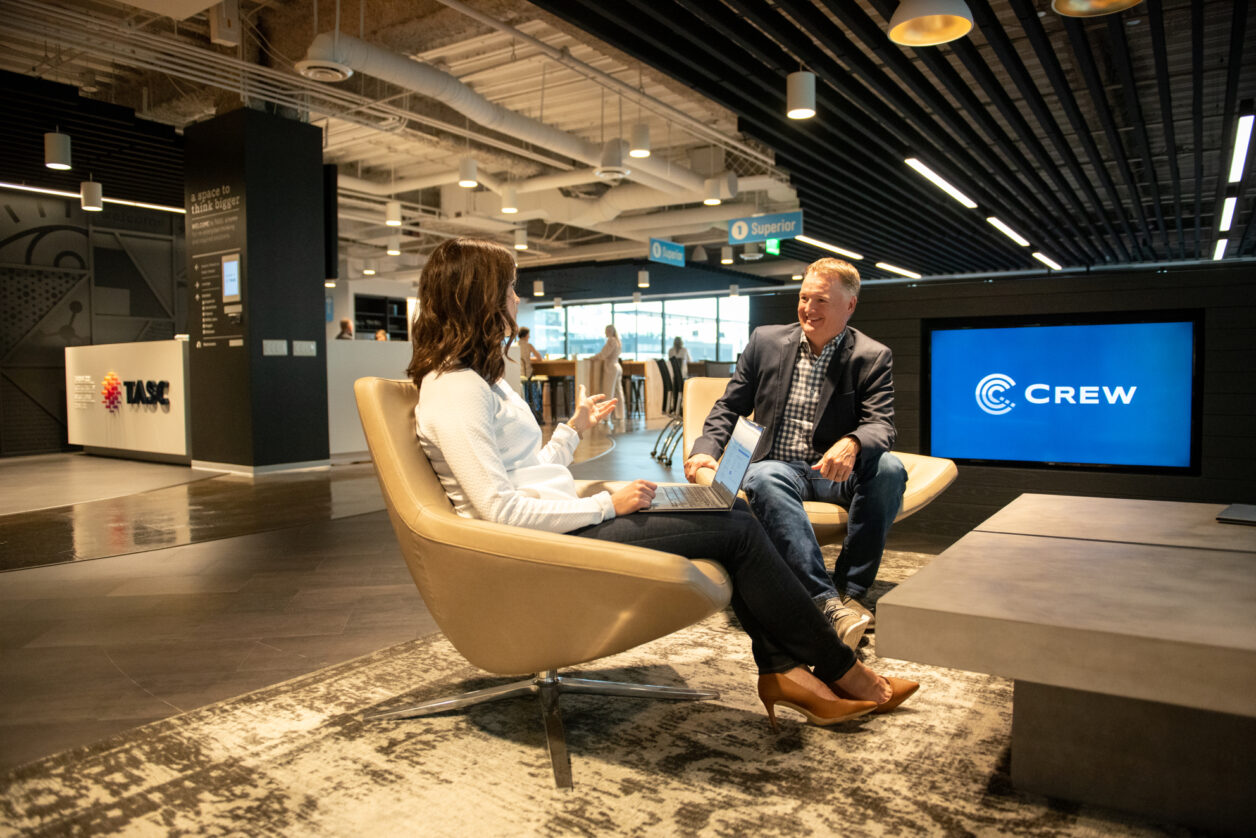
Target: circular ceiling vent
[(323, 69)]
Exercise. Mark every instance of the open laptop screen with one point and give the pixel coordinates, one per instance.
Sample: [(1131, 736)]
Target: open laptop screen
[(737, 456)]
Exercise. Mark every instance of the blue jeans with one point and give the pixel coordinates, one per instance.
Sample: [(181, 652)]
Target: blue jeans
[(784, 626), (872, 496)]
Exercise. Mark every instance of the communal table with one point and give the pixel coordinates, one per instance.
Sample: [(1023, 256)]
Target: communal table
[(1129, 629)]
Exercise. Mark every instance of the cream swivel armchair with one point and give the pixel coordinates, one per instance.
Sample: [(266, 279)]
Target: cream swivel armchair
[(517, 601), (927, 477)]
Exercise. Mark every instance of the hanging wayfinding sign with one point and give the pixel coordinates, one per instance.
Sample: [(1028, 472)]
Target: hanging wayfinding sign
[(669, 253), (760, 228)]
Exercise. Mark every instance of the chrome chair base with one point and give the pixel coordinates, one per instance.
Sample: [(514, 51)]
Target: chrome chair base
[(548, 686)]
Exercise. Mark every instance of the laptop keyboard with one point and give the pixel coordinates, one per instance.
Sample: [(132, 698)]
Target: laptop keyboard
[(690, 496)]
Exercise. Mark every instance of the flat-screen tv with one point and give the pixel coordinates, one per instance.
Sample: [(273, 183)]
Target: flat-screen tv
[(1115, 391)]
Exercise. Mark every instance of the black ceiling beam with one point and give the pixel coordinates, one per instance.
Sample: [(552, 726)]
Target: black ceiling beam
[(911, 131), (1197, 117), (1050, 63), (1133, 104), (1160, 52), (1238, 27), (1086, 62), (960, 89)]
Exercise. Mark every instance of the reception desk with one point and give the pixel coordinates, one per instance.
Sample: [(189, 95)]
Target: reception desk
[(129, 399), (347, 361)]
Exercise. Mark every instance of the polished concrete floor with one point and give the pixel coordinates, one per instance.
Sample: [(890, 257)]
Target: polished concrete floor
[(135, 591)]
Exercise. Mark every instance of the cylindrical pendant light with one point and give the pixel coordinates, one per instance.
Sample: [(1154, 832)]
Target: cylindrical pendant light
[(733, 290), (800, 95), (521, 238), (538, 288), (392, 213), (368, 267), (91, 196), (510, 200), (927, 23), (636, 296), (712, 187), (57, 150), (558, 302), (1091, 8), (640, 141), (726, 254), (394, 245), (643, 279), (467, 173)]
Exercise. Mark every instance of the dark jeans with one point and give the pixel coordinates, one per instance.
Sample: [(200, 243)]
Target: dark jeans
[(784, 625), (872, 496)]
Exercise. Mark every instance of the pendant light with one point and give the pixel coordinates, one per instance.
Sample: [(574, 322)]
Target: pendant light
[(1091, 8), (643, 279), (699, 254), (726, 254), (394, 245), (538, 288), (640, 147), (927, 23), (368, 267), (91, 196), (467, 178), (57, 150), (800, 95), (636, 296), (521, 238), (510, 200), (392, 213)]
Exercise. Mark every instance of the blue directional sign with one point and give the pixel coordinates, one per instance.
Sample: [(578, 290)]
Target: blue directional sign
[(669, 253), (760, 228)]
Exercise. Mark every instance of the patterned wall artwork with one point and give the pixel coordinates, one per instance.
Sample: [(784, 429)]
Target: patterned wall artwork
[(67, 279)]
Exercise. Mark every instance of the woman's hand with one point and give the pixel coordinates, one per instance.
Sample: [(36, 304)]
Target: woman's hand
[(636, 495), (590, 410)]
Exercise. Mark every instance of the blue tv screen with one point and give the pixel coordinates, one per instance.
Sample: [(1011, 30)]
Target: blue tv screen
[(1082, 390)]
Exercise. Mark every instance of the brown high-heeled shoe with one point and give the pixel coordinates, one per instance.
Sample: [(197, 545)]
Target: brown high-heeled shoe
[(776, 689), (900, 690)]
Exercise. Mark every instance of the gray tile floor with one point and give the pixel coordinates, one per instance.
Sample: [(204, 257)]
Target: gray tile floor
[(92, 648)]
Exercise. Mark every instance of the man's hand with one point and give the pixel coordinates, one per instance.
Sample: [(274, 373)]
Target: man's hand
[(839, 461), (697, 461), (636, 495)]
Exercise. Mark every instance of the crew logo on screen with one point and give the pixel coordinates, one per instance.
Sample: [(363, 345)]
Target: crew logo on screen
[(111, 392), (990, 392)]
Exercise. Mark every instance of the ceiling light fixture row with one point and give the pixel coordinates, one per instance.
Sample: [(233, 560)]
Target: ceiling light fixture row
[(1238, 166)]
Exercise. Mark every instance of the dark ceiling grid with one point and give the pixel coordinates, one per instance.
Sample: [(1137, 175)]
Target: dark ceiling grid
[(961, 91), (904, 116), (1099, 101), (1050, 63), (1238, 31), (1134, 117), (652, 47), (1160, 51), (1197, 116)]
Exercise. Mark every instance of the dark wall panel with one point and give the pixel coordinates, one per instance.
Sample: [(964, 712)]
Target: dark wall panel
[(1226, 293)]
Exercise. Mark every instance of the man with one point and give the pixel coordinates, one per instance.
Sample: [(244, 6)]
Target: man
[(346, 329), (824, 393)]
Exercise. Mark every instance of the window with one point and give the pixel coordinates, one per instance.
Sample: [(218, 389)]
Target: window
[(734, 327), (640, 327), (693, 321), (549, 331), (586, 329)]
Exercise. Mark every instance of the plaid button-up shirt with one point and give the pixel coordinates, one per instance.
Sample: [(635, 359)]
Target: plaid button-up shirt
[(793, 431)]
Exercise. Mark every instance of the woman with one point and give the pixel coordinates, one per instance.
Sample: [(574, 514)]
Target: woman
[(486, 449), (610, 374), (678, 350), (528, 354)]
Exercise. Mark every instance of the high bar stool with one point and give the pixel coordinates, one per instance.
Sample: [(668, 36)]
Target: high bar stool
[(634, 389)]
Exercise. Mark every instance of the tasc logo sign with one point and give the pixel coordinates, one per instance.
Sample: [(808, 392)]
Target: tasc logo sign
[(991, 398), (137, 392)]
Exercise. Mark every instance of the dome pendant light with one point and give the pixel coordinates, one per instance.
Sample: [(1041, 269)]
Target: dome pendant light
[(1091, 8), (927, 23), (57, 150), (800, 95), (91, 196)]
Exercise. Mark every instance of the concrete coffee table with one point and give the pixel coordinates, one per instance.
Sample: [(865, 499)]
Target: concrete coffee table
[(1129, 628)]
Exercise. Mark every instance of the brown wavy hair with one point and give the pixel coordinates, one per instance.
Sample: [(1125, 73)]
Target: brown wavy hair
[(463, 321)]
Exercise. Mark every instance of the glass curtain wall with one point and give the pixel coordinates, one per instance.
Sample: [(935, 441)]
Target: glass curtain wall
[(734, 327), (640, 327), (693, 321)]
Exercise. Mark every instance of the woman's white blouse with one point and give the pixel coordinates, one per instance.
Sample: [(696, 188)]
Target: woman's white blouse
[(485, 447)]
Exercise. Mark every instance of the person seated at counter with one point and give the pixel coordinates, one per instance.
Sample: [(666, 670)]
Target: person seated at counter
[(380, 334), (346, 329)]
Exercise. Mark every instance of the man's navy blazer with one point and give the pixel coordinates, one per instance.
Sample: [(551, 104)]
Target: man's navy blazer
[(856, 398)]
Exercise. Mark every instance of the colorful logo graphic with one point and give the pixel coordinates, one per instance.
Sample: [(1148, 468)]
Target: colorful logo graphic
[(112, 392)]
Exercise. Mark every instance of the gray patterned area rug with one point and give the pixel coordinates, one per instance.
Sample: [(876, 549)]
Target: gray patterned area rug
[(298, 759)]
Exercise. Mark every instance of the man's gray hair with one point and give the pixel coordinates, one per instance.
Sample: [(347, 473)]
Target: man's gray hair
[(836, 270)]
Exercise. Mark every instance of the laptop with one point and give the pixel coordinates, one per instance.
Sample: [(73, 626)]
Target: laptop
[(1238, 513), (720, 495)]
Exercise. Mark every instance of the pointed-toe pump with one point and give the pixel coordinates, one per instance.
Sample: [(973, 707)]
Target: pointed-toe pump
[(900, 690), (777, 689)]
